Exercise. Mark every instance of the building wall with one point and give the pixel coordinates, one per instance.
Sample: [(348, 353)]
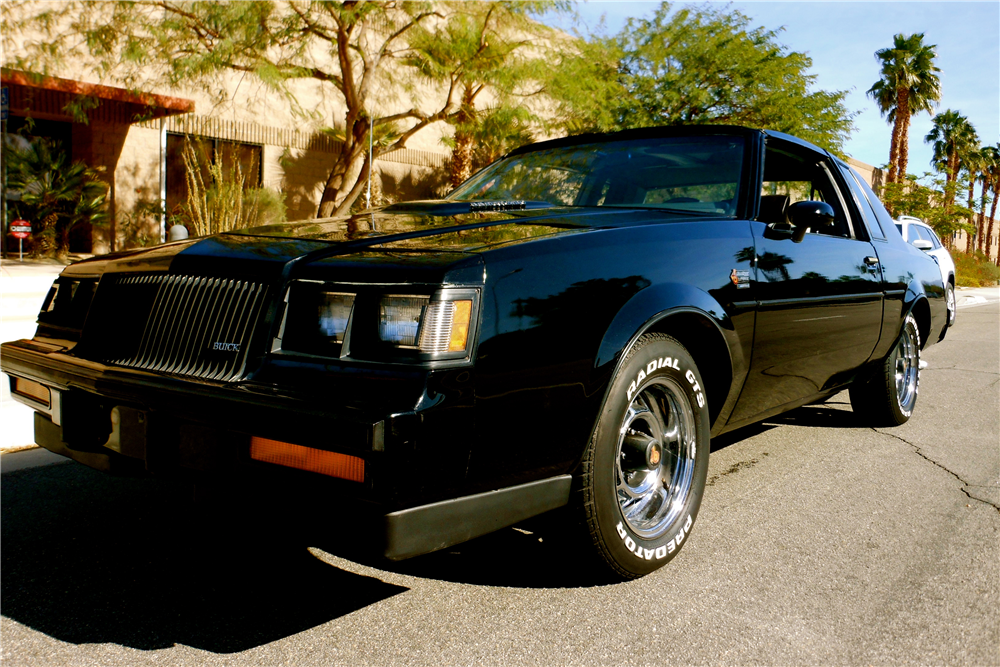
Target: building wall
[(137, 192), (295, 162)]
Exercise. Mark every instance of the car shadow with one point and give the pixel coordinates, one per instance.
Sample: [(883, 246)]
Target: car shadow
[(542, 552), (89, 558), (830, 414)]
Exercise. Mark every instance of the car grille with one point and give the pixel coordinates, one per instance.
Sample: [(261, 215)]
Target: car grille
[(181, 325)]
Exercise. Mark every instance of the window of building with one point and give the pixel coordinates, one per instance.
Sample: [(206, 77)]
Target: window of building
[(204, 152)]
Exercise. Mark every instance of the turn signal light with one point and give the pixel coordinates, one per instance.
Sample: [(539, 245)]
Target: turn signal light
[(460, 326), (323, 462), (33, 390)]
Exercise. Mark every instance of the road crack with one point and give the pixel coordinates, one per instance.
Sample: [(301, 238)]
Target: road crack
[(965, 485), (956, 368)]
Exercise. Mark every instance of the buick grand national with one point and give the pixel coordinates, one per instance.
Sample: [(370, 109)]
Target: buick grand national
[(570, 327)]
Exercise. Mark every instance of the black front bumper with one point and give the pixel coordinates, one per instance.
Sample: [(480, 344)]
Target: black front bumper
[(413, 440)]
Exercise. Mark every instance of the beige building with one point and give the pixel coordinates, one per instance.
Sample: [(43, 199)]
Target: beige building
[(135, 139)]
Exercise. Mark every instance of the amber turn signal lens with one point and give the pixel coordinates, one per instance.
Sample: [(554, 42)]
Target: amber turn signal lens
[(33, 390), (460, 326), (286, 454)]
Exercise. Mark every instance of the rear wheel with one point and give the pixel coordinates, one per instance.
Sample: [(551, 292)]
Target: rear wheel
[(888, 397), (645, 468), (949, 293)]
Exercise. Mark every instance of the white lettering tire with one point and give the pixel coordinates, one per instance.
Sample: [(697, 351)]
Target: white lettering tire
[(644, 471)]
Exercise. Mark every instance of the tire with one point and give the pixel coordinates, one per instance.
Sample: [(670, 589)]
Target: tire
[(643, 474), (949, 294), (888, 397)]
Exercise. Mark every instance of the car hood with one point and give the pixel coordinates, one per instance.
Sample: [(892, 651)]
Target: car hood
[(424, 233)]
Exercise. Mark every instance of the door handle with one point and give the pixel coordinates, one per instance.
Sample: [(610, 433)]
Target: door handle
[(871, 261)]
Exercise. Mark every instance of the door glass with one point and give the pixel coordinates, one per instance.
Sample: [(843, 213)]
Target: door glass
[(861, 201), (791, 178)]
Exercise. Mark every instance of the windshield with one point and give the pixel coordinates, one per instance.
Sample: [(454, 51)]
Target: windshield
[(688, 174)]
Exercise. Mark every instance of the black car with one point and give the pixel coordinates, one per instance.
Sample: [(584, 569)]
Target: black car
[(570, 327)]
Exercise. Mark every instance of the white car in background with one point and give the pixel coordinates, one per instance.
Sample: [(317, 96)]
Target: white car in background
[(920, 235)]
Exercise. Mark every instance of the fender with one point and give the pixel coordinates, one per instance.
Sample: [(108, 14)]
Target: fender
[(651, 309), (916, 302)]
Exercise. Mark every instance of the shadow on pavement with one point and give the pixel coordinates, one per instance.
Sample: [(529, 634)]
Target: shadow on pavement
[(831, 414), (543, 552), (89, 558)]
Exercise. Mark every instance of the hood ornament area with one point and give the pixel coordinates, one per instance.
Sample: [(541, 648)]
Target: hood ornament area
[(498, 205)]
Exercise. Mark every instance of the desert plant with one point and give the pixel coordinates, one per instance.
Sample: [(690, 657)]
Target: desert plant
[(220, 198)]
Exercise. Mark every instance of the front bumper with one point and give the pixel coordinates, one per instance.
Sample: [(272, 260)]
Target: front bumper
[(410, 429)]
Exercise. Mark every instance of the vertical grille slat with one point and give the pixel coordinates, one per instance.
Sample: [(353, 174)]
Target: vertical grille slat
[(191, 326), (190, 344), (244, 326), (159, 322), (181, 323), (213, 304), (224, 366), (215, 328)]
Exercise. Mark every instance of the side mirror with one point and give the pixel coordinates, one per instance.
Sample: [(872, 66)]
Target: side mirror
[(806, 215), (923, 244)]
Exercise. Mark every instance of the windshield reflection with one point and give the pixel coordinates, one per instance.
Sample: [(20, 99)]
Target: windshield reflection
[(698, 175)]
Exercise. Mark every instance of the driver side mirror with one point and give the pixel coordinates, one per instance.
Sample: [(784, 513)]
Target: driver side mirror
[(922, 244), (806, 215)]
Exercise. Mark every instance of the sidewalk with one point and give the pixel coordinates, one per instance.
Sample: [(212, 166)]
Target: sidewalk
[(23, 286)]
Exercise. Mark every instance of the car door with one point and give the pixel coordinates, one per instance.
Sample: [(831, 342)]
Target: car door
[(819, 301)]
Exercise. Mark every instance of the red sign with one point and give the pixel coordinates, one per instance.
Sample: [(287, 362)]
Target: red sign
[(20, 229)]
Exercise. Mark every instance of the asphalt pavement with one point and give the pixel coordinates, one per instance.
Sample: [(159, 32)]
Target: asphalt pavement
[(820, 541)]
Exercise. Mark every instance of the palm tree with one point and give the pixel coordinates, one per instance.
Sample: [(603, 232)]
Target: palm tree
[(908, 85), (55, 193), (994, 171), (989, 157), (952, 136), (971, 160)]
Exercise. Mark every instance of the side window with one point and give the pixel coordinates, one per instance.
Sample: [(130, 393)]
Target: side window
[(862, 203), (791, 175), (922, 233), (882, 215)]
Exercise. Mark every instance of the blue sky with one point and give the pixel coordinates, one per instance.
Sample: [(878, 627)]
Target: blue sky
[(842, 37)]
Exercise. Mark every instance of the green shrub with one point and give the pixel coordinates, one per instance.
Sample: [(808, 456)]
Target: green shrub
[(975, 270)]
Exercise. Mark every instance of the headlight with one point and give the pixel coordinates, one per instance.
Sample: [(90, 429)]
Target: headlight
[(316, 320), (399, 319), (334, 313), (433, 327), (368, 324)]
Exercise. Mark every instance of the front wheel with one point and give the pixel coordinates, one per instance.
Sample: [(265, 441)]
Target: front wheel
[(644, 470), (888, 398)]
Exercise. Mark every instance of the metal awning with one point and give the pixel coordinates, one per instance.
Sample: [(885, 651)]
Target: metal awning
[(47, 97)]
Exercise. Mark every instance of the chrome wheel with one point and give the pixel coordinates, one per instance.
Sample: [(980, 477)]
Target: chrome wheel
[(655, 458), (949, 292), (907, 368)]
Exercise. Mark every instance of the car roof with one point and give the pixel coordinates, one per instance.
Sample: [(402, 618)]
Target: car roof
[(644, 133)]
